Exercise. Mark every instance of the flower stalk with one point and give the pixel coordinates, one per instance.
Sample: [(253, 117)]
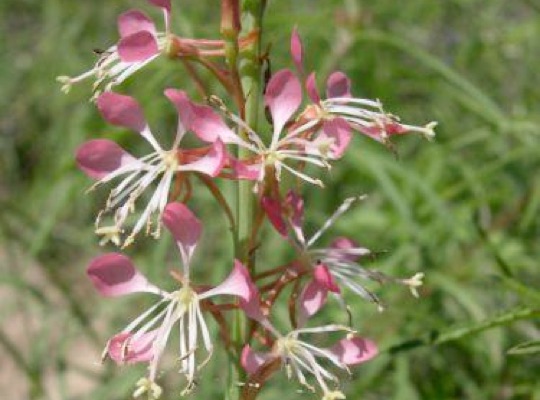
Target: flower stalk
[(306, 133), (246, 77)]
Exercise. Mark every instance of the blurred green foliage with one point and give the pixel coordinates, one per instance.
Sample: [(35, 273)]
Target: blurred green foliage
[(463, 209)]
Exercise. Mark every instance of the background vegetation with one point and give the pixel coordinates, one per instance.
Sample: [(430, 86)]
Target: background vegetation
[(464, 208)]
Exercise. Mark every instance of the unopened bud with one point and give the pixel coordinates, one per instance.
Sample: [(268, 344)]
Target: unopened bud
[(230, 18)]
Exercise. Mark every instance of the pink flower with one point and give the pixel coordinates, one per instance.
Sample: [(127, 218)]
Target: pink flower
[(340, 113), (301, 357), (145, 338), (340, 260), (105, 161), (140, 43), (287, 147)]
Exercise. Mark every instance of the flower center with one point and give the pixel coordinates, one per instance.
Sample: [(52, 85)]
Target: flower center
[(170, 160), (286, 345), (185, 296), (271, 157)]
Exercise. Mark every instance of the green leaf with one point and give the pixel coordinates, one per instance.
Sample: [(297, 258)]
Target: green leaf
[(530, 347), (436, 338)]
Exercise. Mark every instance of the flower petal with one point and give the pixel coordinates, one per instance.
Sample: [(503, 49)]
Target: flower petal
[(354, 351), (99, 157), (242, 170), (338, 85), (238, 283), (321, 273), (114, 274), (283, 96), (311, 88), (348, 249), (339, 131), (137, 47), (209, 126), (183, 105), (251, 360), (311, 301), (124, 350), (185, 228), (381, 130), (295, 206), (211, 163), (121, 110), (134, 21), (274, 212), (297, 51)]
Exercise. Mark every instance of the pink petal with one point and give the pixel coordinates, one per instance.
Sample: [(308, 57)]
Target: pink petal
[(137, 47), (209, 126), (183, 106), (354, 351), (134, 21), (292, 210), (395, 128), (283, 96), (211, 163), (251, 360), (124, 350), (185, 228), (121, 110), (338, 85), (322, 275), (311, 88), (295, 206), (238, 283), (99, 157), (242, 170), (297, 51), (311, 301), (374, 131), (343, 243), (274, 212), (377, 130), (339, 130), (113, 275)]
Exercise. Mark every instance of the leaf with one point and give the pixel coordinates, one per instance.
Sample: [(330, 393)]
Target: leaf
[(529, 347), (436, 338)]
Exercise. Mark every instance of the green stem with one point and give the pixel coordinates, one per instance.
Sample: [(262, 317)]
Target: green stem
[(437, 338), (250, 76), (249, 70)]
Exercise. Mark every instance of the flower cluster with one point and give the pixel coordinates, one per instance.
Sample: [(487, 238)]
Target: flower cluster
[(304, 134)]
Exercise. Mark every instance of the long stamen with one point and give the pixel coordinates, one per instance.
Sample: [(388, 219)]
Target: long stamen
[(353, 100), (305, 177), (311, 160), (340, 210), (162, 337), (143, 316), (325, 328), (301, 129), (205, 333)]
